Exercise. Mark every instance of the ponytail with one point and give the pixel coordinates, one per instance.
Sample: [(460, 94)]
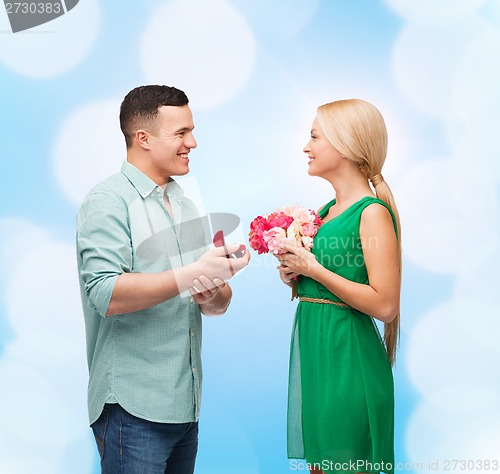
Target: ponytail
[(391, 330)]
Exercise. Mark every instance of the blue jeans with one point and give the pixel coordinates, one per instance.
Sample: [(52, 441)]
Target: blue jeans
[(131, 445)]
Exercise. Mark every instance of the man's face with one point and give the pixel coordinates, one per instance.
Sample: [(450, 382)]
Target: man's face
[(170, 142)]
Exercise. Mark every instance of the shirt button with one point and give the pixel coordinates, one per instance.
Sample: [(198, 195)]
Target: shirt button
[(194, 369), (192, 333), (191, 300)]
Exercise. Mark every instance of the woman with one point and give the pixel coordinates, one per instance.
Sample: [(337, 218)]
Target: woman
[(341, 392)]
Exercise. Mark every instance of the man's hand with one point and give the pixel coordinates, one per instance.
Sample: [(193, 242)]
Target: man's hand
[(205, 290), (210, 289), (218, 264), (213, 296), (137, 291)]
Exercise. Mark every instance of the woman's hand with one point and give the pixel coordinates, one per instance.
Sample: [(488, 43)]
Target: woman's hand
[(296, 261), (286, 277)]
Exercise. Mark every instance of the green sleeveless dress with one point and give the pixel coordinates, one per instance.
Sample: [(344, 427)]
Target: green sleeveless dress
[(341, 389)]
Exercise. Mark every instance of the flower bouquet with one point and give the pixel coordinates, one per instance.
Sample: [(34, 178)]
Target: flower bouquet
[(293, 225)]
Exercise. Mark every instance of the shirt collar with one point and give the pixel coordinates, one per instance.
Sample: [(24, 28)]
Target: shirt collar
[(174, 190), (145, 185), (139, 180)]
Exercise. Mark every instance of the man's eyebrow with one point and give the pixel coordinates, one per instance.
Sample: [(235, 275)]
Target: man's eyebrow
[(185, 129)]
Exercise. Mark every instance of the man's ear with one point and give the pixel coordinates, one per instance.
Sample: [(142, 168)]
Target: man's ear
[(142, 138)]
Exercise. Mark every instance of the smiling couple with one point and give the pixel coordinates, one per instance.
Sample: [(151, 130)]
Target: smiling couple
[(143, 296)]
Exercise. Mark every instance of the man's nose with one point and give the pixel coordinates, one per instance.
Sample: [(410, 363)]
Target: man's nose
[(191, 142)]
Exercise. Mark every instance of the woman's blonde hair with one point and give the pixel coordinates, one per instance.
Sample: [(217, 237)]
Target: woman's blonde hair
[(356, 129)]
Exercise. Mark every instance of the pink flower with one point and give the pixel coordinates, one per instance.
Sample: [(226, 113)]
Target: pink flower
[(257, 228), (259, 244), (259, 224), (292, 224), (317, 219), (279, 219), (309, 230), (275, 238), (307, 242), (302, 215)]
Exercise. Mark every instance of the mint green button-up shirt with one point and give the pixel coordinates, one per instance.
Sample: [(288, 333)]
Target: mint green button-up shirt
[(148, 361)]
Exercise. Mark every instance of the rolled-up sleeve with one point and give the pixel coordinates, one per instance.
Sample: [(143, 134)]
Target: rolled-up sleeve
[(103, 246)]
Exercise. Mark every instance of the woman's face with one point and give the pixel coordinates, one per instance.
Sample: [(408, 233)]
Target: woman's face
[(323, 157)]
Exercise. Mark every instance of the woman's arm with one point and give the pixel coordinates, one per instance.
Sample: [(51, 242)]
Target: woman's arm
[(380, 298)]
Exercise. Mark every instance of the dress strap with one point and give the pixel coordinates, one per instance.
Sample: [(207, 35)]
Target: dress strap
[(322, 301)]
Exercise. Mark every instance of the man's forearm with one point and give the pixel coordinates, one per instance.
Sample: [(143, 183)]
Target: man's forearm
[(137, 291)]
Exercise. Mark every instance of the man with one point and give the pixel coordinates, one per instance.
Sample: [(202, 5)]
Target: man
[(145, 276)]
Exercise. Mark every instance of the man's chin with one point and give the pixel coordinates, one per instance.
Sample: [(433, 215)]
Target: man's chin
[(181, 172)]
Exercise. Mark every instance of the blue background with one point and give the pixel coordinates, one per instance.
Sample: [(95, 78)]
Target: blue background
[(255, 71)]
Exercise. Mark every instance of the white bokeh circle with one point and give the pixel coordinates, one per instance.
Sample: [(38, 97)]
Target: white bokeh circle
[(425, 57), (64, 369), (43, 308), (471, 145), (54, 47), (46, 348), (17, 462), (40, 424), (447, 208), (90, 147), (285, 18), (30, 407), (441, 352), (52, 303), (458, 378), (436, 434), (462, 397), (477, 289), (432, 9), (476, 95), (18, 236), (480, 280), (43, 366), (204, 47)]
